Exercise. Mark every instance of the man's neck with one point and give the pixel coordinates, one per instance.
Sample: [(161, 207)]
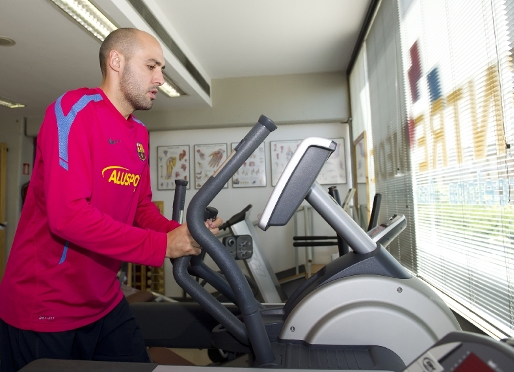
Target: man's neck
[(115, 96)]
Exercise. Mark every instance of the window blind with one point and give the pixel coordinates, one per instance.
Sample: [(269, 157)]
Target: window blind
[(390, 141), (458, 81), (441, 93)]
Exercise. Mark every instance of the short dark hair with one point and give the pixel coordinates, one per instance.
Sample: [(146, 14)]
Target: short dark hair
[(124, 40)]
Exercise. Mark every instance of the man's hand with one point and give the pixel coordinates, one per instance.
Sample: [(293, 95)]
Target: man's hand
[(213, 225), (181, 243)]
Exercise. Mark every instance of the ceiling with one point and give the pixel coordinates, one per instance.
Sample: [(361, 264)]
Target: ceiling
[(222, 39)]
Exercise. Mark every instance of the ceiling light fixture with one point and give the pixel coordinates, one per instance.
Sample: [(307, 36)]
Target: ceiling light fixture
[(88, 16), (170, 88), (11, 104), (92, 19), (5, 41)]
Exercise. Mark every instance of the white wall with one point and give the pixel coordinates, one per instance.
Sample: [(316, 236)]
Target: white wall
[(315, 100), (32, 124), (305, 98), (19, 152), (277, 241)]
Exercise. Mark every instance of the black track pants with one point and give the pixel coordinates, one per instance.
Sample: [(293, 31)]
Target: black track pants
[(115, 337)]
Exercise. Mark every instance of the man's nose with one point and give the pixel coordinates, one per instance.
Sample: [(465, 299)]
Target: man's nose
[(159, 78)]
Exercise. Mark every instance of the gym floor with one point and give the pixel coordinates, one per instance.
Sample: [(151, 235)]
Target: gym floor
[(196, 357)]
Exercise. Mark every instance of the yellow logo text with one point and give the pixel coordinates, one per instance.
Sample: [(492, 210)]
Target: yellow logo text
[(121, 176)]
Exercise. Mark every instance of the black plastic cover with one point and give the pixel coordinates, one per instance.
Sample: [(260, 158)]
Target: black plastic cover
[(299, 184)]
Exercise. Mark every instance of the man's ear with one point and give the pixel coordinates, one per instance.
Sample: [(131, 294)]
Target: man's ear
[(115, 60)]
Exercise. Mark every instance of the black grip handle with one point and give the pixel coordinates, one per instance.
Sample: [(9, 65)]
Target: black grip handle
[(334, 192), (373, 220), (179, 200), (238, 217), (210, 213)]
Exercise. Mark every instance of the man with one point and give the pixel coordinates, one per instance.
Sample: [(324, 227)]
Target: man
[(88, 209)]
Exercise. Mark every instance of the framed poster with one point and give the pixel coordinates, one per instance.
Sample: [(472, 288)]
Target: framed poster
[(361, 165), (334, 170), (281, 152), (172, 164), (207, 160), (253, 171)]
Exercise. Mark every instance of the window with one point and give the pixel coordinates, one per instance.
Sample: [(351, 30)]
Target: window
[(442, 117)]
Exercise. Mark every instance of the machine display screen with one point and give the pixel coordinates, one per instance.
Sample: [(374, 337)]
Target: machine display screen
[(376, 230), (472, 363)]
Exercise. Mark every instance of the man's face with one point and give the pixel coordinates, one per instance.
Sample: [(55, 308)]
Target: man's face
[(142, 74)]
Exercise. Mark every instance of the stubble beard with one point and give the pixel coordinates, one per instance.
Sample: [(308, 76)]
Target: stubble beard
[(133, 91)]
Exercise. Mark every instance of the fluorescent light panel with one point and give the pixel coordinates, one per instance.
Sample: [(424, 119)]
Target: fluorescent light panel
[(89, 17), (170, 88), (11, 104)]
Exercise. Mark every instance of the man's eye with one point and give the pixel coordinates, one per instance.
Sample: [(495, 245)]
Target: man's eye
[(151, 67)]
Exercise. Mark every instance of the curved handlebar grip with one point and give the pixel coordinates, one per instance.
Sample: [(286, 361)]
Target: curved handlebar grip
[(209, 191), (248, 305)]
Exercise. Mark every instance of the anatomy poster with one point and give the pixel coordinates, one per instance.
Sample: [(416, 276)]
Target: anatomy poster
[(334, 170), (281, 152), (208, 158), (253, 171), (172, 164)]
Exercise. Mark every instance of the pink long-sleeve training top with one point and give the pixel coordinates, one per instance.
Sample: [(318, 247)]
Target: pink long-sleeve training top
[(88, 208)]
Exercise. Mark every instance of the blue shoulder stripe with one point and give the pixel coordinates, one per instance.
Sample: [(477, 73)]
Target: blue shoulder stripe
[(64, 123), (137, 121), (65, 250)]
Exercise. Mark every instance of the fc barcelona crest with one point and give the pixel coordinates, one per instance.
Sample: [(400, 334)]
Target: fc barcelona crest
[(141, 151)]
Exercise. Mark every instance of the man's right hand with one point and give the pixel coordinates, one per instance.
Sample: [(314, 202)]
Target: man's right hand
[(181, 243)]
